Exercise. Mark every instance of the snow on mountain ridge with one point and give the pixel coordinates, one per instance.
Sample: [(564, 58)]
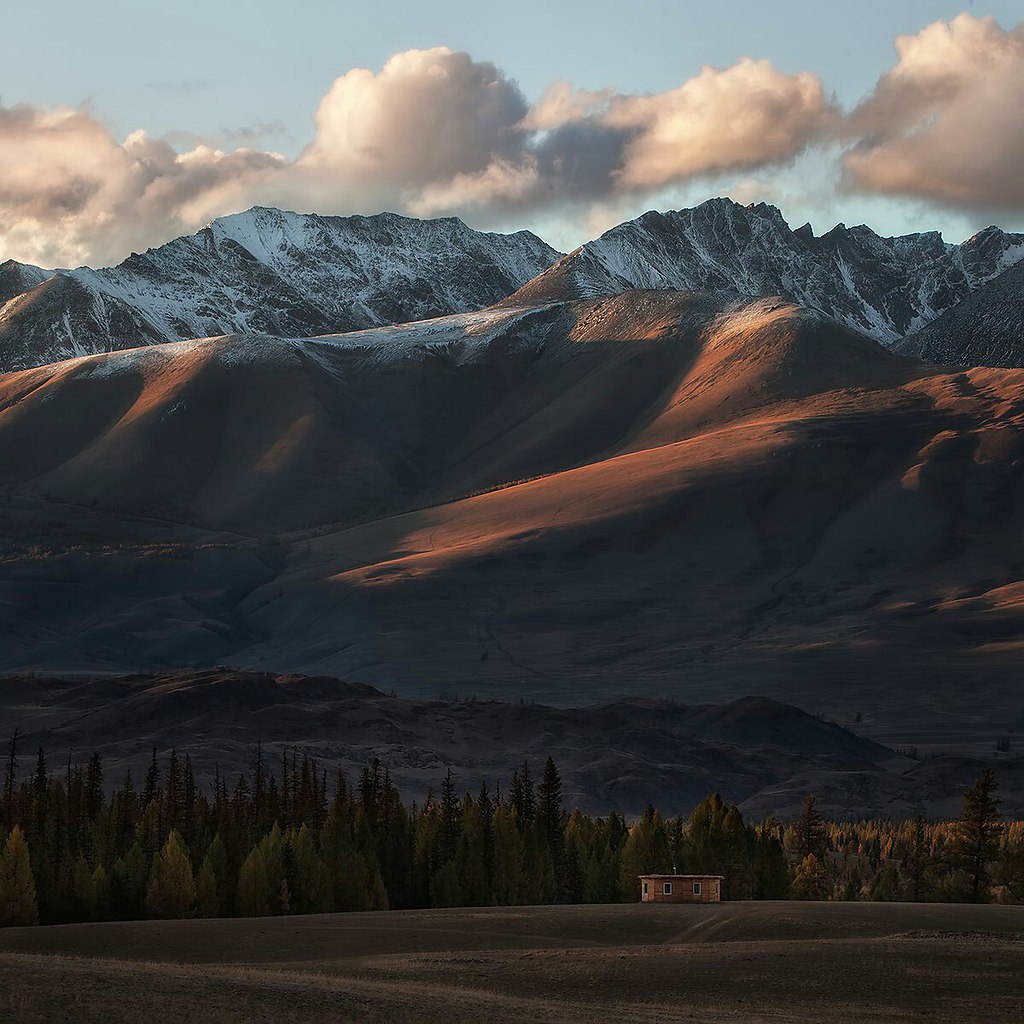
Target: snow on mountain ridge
[(885, 287), (273, 272)]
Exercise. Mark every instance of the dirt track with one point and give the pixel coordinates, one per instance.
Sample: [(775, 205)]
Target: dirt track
[(733, 962)]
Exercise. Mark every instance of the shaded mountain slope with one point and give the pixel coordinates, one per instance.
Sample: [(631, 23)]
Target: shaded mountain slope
[(658, 492), (986, 329)]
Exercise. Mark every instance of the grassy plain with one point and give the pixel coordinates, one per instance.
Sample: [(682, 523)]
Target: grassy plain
[(733, 962)]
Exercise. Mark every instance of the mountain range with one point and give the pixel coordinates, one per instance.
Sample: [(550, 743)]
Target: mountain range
[(689, 494), (887, 288), (581, 490), (292, 275), (263, 271)]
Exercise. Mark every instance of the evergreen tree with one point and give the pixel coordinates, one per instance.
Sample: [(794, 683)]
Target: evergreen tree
[(917, 862), (451, 821), (217, 855), (551, 820), (151, 785), (523, 797), (171, 891), (646, 851), (84, 887), (94, 788), (807, 835), (8, 820), (17, 886), (977, 837)]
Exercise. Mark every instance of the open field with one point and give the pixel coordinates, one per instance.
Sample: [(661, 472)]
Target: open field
[(745, 962)]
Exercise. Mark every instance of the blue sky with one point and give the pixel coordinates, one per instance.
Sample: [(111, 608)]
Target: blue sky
[(255, 73)]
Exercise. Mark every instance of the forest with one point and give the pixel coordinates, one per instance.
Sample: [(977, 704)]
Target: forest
[(287, 839)]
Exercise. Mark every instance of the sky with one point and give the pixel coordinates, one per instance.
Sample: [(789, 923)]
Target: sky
[(126, 124)]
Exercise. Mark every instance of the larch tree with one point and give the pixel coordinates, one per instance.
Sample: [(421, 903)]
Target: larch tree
[(171, 891), (17, 886)]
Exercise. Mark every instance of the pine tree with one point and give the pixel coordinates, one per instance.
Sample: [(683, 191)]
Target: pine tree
[(151, 786), (12, 766), (551, 818), (917, 861), (451, 821), (84, 887), (93, 788), (171, 892), (217, 855), (522, 796), (17, 886), (977, 837), (807, 834)]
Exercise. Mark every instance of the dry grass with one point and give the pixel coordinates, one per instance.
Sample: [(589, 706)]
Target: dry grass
[(731, 963)]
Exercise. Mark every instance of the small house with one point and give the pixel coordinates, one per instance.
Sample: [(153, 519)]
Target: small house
[(681, 888)]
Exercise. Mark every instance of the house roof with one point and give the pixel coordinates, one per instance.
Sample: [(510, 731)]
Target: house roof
[(680, 876)]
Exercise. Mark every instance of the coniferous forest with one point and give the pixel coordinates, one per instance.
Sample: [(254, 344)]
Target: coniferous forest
[(289, 838)]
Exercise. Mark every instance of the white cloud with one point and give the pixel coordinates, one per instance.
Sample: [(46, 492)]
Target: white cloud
[(70, 192), (947, 122), (435, 131)]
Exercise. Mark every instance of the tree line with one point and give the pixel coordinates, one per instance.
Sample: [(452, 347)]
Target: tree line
[(289, 840)]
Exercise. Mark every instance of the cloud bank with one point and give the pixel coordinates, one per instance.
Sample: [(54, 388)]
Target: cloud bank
[(437, 132), (947, 122)]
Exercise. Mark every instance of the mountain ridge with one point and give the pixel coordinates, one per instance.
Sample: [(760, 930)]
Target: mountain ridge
[(886, 288), (265, 271), (301, 275)]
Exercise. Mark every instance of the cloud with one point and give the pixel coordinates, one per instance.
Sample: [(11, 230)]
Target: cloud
[(434, 131), (745, 116), (562, 103), (946, 123), (428, 116), (69, 191), (437, 132), (580, 146)]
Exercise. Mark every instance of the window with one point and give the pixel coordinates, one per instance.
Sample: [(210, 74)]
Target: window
[(645, 888), (668, 889), (696, 888), (716, 889)]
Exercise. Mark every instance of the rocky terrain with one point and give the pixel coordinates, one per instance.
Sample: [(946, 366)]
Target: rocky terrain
[(985, 329), (293, 275), (887, 288), (263, 271)]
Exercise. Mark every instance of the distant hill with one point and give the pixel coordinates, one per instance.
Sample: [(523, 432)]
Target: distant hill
[(760, 753)]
